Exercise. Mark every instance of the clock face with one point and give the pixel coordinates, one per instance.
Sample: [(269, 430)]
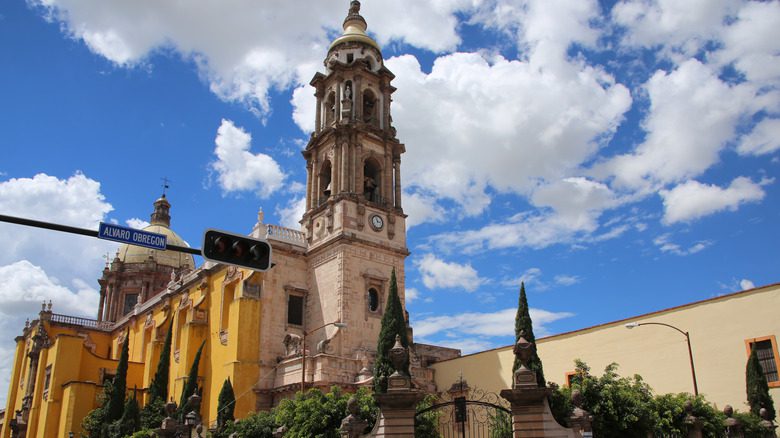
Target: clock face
[(377, 222)]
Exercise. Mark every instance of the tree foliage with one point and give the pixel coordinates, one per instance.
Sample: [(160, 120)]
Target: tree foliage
[(191, 385), (128, 423), (393, 323), (757, 387), (116, 401), (523, 324), (153, 412), (426, 424), (310, 415), (94, 422), (226, 404)]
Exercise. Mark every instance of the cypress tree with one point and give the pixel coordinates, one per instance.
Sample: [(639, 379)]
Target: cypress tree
[(523, 324), (226, 404), (159, 385), (757, 387), (393, 323), (116, 402), (154, 411), (192, 383)]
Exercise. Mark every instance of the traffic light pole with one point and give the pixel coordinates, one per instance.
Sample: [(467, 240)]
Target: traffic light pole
[(81, 231)]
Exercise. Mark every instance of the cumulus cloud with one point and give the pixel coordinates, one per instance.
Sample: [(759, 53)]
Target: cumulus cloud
[(665, 244), (746, 284), (438, 274), (292, 213), (411, 294), (676, 149), (138, 224), (693, 200), (483, 326), (238, 169), (245, 48), (75, 201), (421, 209), (763, 139)]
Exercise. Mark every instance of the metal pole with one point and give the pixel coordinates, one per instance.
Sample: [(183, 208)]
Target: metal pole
[(693, 369), (81, 231)]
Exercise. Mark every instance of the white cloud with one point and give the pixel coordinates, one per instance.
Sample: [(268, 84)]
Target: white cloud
[(238, 169), (566, 280), (75, 201), (492, 324), (438, 274), (23, 286), (752, 42), (542, 123), (411, 294), (678, 27), (676, 148), (246, 47), (665, 244), (421, 209), (693, 200), (137, 223), (763, 139), (292, 213), (746, 284)]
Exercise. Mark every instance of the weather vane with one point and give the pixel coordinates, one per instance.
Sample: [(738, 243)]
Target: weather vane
[(166, 186)]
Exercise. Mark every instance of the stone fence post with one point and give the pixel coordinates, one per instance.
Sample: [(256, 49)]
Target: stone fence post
[(694, 424), (767, 424), (732, 426)]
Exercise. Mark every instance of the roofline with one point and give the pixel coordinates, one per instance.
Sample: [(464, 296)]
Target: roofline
[(644, 315)]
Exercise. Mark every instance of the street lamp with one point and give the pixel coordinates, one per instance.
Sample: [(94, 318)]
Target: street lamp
[(631, 325), (303, 348)]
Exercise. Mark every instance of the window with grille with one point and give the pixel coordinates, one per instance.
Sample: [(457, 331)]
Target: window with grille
[(766, 356)]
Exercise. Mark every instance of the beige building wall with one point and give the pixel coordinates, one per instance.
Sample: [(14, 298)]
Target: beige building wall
[(719, 330)]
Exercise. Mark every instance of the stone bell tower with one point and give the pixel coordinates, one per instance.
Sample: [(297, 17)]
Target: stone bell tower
[(354, 221)]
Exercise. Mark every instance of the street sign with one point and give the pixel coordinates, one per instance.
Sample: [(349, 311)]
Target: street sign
[(132, 236)]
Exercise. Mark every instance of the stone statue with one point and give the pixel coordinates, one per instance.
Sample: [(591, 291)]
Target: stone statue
[(354, 7), (292, 345)]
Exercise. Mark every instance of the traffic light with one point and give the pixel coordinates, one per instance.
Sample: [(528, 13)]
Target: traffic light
[(234, 249)]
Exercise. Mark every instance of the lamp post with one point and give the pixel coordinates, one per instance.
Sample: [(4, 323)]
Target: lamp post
[(303, 348), (631, 325)]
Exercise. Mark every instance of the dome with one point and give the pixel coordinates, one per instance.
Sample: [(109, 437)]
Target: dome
[(139, 254), (354, 28), (161, 223)]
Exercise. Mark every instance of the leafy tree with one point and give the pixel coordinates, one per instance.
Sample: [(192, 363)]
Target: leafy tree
[(669, 415), (129, 423), (95, 421), (116, 402), (757, 387), (153, 412), (393, 323), (621, 406), (427, 423), (226, 404), (191, 385), (524, 325), (319, 415)]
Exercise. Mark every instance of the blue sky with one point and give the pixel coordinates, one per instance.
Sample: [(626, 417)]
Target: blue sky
[(620, 158)]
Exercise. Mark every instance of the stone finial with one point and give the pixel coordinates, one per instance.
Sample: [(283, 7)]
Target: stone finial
[(398, 356), (523, 349), (43, 306), (260, 215), (352, 426), (580, 419), (766, 422), (48, 306), (733, 425)]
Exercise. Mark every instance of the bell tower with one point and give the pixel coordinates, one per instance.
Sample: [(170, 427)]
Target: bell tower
[(354, 222), (353, 159)]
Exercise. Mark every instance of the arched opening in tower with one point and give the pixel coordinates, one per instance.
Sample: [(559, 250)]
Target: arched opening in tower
[(325, 181), (370, 108), (330, 109), (372, 180)]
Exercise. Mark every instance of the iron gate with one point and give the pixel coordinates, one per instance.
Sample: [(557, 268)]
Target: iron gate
[(465, 412)]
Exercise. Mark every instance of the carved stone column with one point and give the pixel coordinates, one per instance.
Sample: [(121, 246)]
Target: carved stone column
[(397, 182), (318, 114), (309, 176), (102, 302)]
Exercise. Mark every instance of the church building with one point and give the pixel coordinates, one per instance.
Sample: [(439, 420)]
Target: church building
[(325, 295)]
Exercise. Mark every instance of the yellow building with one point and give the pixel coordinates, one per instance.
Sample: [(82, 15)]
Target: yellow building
[(255, 325), (721, 331)]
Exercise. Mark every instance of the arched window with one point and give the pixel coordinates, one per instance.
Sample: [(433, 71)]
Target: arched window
[(372, 180), (370, 108), (330, 109), (325, 181), (373, 300), (228, 294)]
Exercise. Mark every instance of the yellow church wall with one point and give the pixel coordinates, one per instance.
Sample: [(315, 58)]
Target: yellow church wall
[(13, 386), (718, 330), (76, 397)]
